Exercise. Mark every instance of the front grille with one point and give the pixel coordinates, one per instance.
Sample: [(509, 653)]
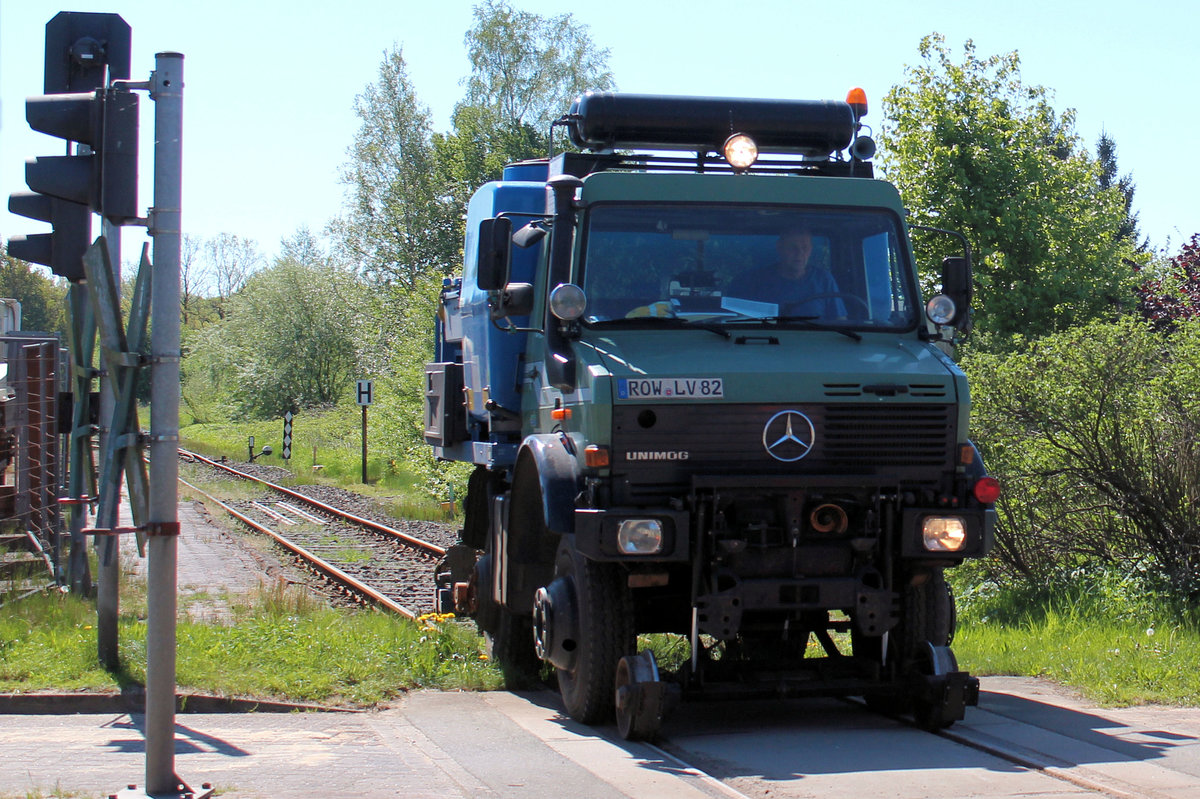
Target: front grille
[(936, 389), (666, 445), (912, 435)]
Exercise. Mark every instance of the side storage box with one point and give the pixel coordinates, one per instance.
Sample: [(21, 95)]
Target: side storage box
[(445, 404)]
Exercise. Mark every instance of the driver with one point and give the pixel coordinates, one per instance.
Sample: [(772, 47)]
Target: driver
[(796, 286)]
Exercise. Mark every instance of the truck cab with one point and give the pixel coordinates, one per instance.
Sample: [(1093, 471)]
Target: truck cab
[(705, 397)]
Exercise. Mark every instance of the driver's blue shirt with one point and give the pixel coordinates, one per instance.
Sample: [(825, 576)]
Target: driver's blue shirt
[(793, 297)]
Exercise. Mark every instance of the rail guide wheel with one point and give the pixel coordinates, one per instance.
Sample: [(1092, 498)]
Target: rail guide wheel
[(642, 698), (946, 691)]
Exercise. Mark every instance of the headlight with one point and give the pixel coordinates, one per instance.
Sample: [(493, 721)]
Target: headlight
[(640, 536), (940, 309), (567, 302), (944, 533), (740, 151)]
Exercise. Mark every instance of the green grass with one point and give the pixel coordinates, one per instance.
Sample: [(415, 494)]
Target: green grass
[(1110, 637), (281, 645)]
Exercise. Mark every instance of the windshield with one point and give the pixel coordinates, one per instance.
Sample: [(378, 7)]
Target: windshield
[(746, 264)]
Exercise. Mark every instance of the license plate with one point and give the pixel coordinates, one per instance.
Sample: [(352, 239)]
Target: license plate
[(636, 388)]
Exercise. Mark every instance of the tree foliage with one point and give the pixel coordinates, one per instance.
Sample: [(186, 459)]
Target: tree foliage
[(972, 147), (42, 298), (1093, 433), (399, 223), (525, 71), (1173, 295), (408, 189), (231, 260), (288, 339), (1111, 177), (525, 68)]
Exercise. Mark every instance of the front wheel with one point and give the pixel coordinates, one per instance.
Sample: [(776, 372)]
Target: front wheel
[(604, 634), (929, 619)]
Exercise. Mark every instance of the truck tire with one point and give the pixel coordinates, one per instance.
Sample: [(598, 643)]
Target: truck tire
[(928, 617), (475, 509), (605, 635), (510, 647), (928, 614)]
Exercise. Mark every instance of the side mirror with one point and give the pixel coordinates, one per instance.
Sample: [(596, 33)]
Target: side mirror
[(530, 235), (515, 299), (956, 284), (495, 236), (956, 277)]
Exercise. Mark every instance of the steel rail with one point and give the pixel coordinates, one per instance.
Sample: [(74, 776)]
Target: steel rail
[(326, 569), (383, 529)]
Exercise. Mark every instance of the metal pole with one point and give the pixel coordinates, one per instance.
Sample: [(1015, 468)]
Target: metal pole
[(107, 548), (364, 452), (166, 89), (83, 337)]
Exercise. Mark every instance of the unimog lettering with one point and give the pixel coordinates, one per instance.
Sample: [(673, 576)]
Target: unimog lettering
[(656, 456), (686, 432)]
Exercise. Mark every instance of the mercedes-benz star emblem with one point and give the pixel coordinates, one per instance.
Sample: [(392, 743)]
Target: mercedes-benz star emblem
[(788, 436)]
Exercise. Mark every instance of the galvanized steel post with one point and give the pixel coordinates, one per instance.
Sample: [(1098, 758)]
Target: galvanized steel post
[(166, 89)]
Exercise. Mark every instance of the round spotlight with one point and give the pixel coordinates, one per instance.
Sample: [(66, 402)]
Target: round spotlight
[(740, 151), (567, 302), (941, 310)]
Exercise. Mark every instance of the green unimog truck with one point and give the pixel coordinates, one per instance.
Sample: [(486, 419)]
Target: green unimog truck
[(704, 397)]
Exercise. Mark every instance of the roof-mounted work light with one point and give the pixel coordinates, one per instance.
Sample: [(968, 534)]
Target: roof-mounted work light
[(740, 151)]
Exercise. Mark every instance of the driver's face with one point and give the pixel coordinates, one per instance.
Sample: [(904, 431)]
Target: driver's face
[(794, 249)]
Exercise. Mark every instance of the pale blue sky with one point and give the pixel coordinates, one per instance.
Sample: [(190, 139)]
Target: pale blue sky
[(270, 85)]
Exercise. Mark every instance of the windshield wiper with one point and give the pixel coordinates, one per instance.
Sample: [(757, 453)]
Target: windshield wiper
[(661, 321), (809, 322)]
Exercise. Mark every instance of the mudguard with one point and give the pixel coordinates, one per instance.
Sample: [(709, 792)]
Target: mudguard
[(975, 469), (558, 474)]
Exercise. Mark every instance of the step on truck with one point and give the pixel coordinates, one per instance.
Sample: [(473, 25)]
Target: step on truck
[(705, 398)]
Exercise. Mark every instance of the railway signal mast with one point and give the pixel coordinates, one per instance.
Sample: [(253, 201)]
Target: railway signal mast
[(91, 103)]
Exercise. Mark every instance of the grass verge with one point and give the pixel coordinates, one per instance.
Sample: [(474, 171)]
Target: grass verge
[(282, 645), (1112, 639)]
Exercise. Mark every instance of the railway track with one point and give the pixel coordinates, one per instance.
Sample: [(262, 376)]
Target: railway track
[(368, 560)]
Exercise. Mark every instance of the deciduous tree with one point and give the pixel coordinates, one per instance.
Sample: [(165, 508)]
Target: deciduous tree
[(974, 148), (231, 261), (1173, 295), (42, 298), (399, 223), (288, 339), (525, 71)]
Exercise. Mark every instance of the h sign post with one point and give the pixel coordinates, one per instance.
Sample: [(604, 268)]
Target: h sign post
[(365, 391)]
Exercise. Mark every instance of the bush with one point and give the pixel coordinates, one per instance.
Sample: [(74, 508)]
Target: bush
[(1093, 433)]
